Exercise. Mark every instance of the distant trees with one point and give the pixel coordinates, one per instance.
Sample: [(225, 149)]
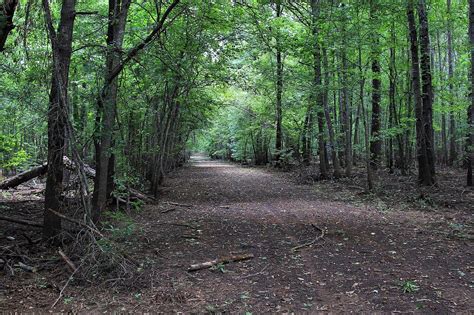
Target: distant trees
[(415, 102), (330, 84)]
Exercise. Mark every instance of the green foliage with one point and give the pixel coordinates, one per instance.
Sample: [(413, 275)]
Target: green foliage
[(220, 267), (216, 64), (409, 286), (11, 156), (119, 224)]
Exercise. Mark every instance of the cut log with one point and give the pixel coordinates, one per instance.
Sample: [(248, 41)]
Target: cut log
[(16, 180), (222, 260)]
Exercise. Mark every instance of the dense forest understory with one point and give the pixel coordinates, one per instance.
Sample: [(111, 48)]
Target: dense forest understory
[(250, 156)]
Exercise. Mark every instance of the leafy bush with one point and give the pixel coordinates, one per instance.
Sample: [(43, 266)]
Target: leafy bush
[(11, 157)]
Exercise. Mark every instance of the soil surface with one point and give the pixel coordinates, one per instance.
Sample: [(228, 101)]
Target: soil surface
[(312, 253)]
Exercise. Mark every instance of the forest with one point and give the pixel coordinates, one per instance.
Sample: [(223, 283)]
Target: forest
[(242, 156)]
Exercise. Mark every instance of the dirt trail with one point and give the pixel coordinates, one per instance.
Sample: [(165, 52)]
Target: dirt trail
[(359, 265)]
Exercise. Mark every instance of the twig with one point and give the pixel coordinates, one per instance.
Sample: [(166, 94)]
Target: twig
[(67, 260), (222, 260), (169, 210), (65, 286), (311, 242), (254, 274), (179, 204), (77, 222)]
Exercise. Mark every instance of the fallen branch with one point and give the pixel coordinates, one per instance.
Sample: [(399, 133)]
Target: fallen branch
[(135, 193), (23, 222), (71, 277), (67, 261), (311, 242), (26, 267), (222, 260), (21, 178), (179, 204), (24, 177), (168, 210)]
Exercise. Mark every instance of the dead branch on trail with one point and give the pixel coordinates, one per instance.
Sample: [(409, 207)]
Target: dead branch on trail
[(25, 267), (221, 260), (169, 210), (179, 204), (23, 222), (323, 231)]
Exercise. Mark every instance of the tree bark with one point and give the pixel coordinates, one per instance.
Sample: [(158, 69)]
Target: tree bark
[(279, 91), (7, 11), (452, 122), (327, 114), (61, 42), (427, 87), (106, 105), (318, 89), (306, 135), (424, 174), (444, 136), (375, 140), (470, 110)]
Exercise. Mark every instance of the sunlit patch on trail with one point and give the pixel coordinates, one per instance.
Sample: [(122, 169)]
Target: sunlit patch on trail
[(201, 160)]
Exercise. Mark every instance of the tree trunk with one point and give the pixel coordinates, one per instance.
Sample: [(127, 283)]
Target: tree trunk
[(279, 91), (7, 11), (470, 110), (427, 87), (327, 114), (444, 137), (306, 136), (346, 117), (318, 89), (375, 140), (107, 104), (452, 122), (424, 174), (57, 114)]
